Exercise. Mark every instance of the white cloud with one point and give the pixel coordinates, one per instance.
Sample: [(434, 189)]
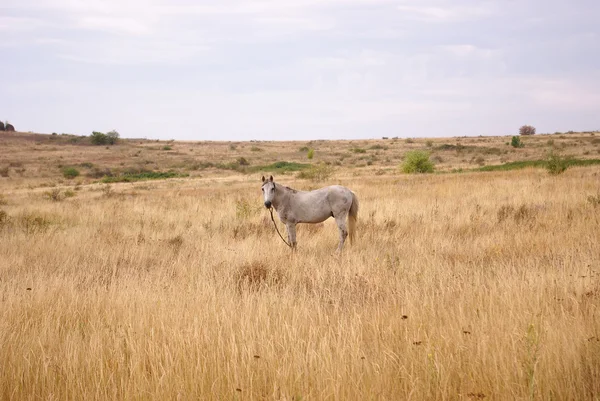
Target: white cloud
[(446, 13), (244, 69)]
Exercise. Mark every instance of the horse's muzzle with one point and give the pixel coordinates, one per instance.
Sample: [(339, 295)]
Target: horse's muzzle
[(268, 204)]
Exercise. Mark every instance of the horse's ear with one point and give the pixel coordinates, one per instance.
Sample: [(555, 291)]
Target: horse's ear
[(271, 178), (263, 178)]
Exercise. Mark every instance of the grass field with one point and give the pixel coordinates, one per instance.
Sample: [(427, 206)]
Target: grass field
[(472, 285)]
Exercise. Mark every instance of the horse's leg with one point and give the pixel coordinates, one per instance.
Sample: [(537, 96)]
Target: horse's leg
[(291, 230), (341, 223)]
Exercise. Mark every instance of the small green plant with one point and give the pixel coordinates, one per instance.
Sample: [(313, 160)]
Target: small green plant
[(310, 154), (359, 150), (303, 149), (256, 149), (70, 172), (167, 147), (556, 164), (417, 161), (516, 142)]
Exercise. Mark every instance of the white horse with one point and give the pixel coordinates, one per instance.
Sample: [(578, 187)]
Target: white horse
[(295, 207)]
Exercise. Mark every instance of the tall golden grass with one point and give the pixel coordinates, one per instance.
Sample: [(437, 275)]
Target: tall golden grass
[(459, 286)]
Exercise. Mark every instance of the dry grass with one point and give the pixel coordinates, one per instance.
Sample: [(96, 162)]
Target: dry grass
[(460, 286)]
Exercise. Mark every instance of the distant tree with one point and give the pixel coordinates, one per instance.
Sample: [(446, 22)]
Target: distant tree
[(527, 130), (98, 138), (112, 137)]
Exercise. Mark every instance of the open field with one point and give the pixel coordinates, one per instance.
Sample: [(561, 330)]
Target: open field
[(472, 285)]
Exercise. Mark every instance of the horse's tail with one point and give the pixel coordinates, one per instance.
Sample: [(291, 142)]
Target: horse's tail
[(352, 215)]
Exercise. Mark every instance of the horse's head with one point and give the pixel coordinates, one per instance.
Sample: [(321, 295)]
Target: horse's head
[(268, 189)]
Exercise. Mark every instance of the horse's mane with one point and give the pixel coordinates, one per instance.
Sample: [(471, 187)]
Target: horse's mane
[(288, 188)]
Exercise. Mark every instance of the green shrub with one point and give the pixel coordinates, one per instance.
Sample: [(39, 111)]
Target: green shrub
[(310, 154), (556, 164), (167, 147), (70, 172), (359, 150), (256, 149), (417, 161), (516, 142), (303, 149), (98, 138)]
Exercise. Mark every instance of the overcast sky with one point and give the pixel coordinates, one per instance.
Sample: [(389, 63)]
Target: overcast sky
[(299, 69)]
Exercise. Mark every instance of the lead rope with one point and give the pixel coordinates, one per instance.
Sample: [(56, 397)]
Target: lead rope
[(277, 229)]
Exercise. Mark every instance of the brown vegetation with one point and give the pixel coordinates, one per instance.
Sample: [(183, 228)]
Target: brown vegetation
[(459, 286)]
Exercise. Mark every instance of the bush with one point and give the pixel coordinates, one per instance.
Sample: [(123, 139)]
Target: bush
[(167, 147), (527, 130), (242, 161), (316, 173), (417, 161), (516, 142), (359, 150), (112, 137), (310, 154), (70, 172), (98, 138), (556, 164)]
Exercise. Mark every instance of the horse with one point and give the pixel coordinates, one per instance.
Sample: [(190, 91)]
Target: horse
[(316, 206)]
